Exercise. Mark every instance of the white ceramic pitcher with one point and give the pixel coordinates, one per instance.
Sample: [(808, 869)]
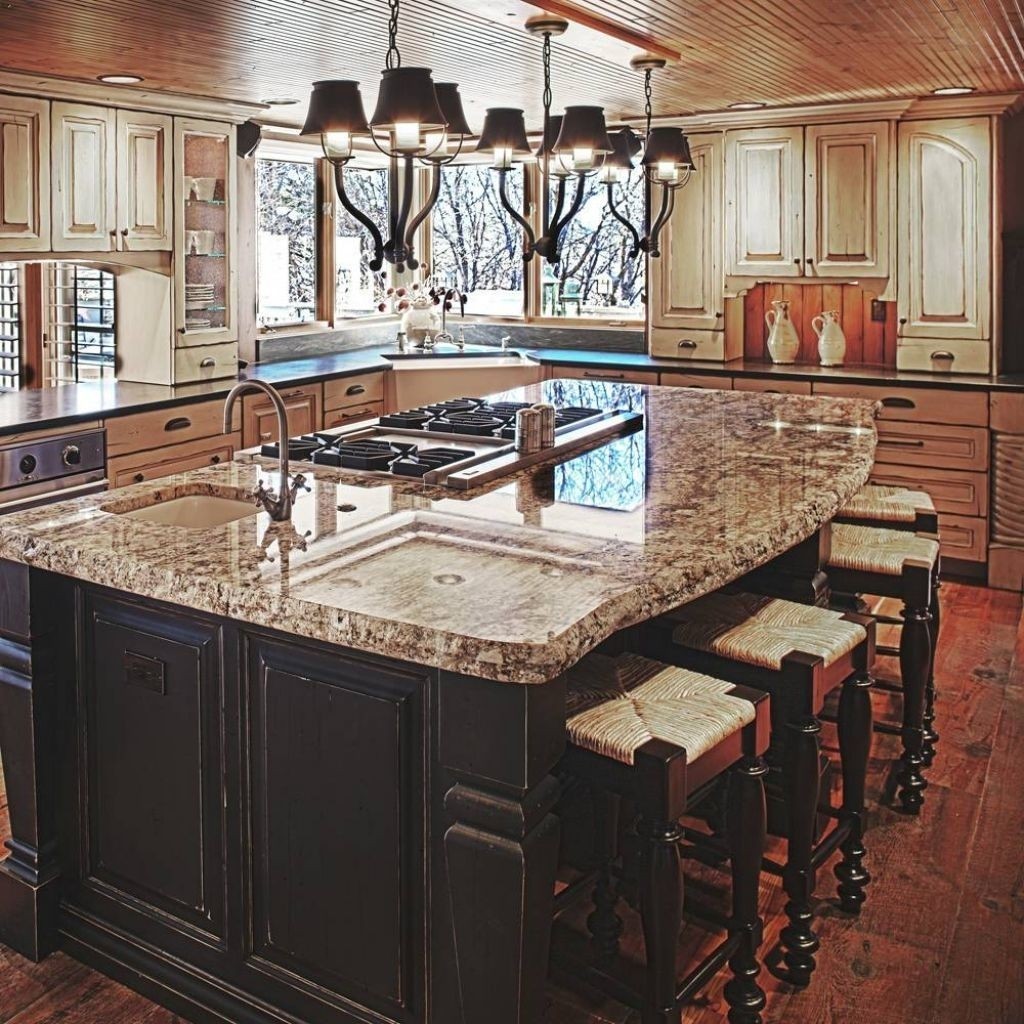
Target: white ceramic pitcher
[(831, 340), (783, 340)]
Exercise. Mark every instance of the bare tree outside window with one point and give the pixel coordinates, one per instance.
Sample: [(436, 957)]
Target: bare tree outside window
[(358, 289), (596, 276), (286, 244), (477, 246)]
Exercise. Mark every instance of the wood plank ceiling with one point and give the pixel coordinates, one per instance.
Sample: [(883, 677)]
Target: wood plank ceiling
[(778, 52)]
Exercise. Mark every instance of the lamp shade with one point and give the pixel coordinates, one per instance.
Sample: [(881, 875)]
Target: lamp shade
[(407, 97), (583, 128), (450, 102), (625, 146), (505, 130), (668, 146), (335, 106), (547, 146)]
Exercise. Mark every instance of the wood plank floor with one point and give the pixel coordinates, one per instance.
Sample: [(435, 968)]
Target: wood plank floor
[(940, 940)]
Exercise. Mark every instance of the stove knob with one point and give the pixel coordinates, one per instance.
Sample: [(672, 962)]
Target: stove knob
[(72, 455), (27, 465)]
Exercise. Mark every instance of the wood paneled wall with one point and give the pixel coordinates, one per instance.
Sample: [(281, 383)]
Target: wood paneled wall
[(867, 341)]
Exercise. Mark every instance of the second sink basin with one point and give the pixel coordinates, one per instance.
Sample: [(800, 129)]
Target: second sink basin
[(195, 511)]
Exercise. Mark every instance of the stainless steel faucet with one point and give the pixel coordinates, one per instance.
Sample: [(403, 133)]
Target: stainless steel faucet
[(278, 505)]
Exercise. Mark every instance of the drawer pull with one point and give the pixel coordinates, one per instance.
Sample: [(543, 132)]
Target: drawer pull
[(267, 436), (604, 376), (215, 459), (898, 403), (899, 442), (943, 354), (178, 423), (688, 343), (139, 478), (355, 389), (208, 361), (366, 410)]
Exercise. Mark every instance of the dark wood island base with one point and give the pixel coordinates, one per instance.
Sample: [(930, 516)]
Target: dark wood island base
[(244, 826)]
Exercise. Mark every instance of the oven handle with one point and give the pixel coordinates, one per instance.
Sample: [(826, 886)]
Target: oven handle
[(52, 497)]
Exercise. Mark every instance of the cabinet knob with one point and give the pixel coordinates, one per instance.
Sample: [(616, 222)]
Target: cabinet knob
[(124, 232), (903, 320), (718, 316), (139, 477), (215, 459)]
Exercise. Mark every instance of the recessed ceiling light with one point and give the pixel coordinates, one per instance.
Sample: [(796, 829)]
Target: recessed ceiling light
[(747, 105), (121, 79), (953, 90), (280, 101)]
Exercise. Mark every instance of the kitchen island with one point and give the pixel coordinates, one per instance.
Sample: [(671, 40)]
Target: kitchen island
[(302, 771)]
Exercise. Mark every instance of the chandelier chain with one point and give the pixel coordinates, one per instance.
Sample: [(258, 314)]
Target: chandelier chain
[(648, 92), (394, 58), (547, 73)]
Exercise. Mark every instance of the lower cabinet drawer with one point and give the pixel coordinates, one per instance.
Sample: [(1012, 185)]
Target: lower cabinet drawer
[(945, 446), (964, 537), (953, 492), (696, 380), (589, 373), (668, 343), (205, 362), (772, 387), (359, 390), (945, 356), (163, 428), (921, 405), (177, 458), (353, 414)]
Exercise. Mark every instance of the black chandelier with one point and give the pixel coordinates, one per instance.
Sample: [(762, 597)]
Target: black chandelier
[(666, 162), (573, 145), (415, 119)]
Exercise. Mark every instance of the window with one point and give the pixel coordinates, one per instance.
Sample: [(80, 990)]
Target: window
[(80, 330), (357, 288), (596, 276), (286, 242), (10, 327), (477, 246)]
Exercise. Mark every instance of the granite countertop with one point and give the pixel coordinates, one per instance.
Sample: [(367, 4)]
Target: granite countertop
[(513, 583), (880, 375)]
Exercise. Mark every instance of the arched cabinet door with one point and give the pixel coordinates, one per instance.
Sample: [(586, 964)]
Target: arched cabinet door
[(945, 229)]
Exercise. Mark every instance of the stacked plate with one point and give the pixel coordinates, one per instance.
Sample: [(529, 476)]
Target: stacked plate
[(198, 296)]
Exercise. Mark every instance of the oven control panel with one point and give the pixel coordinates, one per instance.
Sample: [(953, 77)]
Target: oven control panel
[(51, 458)]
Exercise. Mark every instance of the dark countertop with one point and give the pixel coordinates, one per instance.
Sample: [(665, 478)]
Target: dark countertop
[(37, 409), (769, 371)]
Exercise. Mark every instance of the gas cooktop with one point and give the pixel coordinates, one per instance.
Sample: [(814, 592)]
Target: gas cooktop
[(461, 442)]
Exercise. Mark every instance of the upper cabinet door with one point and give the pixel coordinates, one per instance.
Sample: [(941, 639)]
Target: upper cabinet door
[(24, 174), (850, 179), (84, 178), (764, 172), (945, 229), (145, 193), (686, 280)]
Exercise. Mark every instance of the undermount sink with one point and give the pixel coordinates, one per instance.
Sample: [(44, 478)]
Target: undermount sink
[(195, 512)]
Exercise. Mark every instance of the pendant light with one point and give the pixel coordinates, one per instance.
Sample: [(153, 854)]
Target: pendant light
[(666, 162), (574, 145), (415, 119)]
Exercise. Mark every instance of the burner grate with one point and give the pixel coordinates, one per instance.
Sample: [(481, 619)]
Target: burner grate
[(368, 454), (476, 423), (419, 462), (409, 419)]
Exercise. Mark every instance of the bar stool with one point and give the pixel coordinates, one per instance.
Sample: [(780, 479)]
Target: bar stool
[(660, 737), (900, 508), (798, 654), (903, 565)]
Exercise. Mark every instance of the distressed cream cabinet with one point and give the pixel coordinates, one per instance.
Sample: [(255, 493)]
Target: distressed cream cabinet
[(945, 278), (810, 202), (112, 187), (24, 174)]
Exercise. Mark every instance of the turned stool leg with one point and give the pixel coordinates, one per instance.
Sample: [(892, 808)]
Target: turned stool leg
[(604, 924), (854, 727), (931, 737), (745, 835), (661, 911), (915, 661), (800, 778)]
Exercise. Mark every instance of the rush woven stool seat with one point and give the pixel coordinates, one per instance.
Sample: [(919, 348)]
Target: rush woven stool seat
[(798, 654), (903, 565), (659, 736)]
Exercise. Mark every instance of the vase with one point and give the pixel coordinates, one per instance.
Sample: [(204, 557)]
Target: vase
[(831, 340), (783, 340)]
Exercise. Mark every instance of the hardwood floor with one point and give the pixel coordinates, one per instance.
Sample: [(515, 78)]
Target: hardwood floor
[(940, 939)]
